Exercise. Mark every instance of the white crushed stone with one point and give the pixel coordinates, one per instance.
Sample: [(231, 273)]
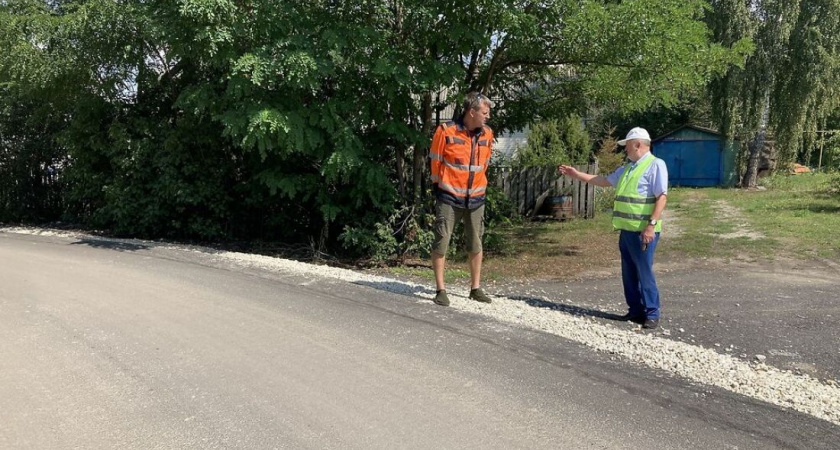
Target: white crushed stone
[(757, 380)]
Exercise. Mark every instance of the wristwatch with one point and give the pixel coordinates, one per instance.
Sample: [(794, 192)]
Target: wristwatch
[(653, 222)]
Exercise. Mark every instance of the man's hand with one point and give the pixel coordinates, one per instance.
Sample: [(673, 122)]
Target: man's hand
[(648, 234), (568, 171)]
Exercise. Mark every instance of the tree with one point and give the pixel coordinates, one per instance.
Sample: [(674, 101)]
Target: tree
[(555, 141), (303, 119), (788, 84), (692, 107), (807, 91), (547, 59)]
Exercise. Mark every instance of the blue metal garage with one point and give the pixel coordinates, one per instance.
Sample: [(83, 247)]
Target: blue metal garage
[(697, 156)]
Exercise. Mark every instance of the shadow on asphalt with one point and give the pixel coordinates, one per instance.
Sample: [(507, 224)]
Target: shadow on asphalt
[(396, 287), (111, 245), (571, 309)]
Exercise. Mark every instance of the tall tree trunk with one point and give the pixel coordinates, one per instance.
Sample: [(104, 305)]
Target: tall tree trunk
[(757, 145), (498, 58), (472, 70), (401, 169), (420, 150), (397, 9)]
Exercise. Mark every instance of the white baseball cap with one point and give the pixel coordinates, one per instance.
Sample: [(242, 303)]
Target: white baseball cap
[(635, 133)]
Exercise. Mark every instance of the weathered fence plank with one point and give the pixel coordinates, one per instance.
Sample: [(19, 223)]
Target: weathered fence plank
[(526, 188)]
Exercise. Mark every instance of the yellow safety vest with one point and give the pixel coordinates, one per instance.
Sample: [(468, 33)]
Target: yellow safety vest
[(631, 211)]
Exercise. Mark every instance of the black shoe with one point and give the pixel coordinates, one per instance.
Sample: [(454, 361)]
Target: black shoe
[(441, 298), (651, 324), (636, 318), (478, 295)]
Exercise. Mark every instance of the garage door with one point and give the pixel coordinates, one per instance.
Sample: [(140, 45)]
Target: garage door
[(691, 163)]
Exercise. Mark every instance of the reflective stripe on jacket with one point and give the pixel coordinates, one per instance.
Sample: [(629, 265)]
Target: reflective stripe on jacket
[(632, 211), (459, 160)]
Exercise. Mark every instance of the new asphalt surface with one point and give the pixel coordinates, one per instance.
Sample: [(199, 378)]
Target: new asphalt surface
[(786, 312), (126, 345)]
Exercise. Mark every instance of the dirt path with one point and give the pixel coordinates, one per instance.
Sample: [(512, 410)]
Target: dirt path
[(731, 214)]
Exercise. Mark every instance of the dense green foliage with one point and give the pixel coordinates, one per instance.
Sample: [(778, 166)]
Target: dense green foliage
[(828, 156), (693, 107), (789, 85), (302, 120), (555, 141)]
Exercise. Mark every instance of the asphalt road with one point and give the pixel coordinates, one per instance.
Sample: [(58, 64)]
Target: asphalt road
[(115, 345), (787, 312)]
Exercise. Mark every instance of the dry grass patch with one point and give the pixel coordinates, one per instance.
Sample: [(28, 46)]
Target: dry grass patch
[(554, 250)]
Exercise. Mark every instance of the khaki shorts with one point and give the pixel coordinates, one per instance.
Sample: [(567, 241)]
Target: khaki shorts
[(447, 216)]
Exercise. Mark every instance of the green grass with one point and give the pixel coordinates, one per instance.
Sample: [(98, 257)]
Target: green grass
[(795, 217), (451, 274)]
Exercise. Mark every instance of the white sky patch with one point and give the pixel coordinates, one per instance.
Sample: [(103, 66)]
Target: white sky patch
[(756, 380)]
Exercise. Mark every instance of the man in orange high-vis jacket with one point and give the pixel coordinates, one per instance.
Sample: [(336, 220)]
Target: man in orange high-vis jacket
[(460, 154)]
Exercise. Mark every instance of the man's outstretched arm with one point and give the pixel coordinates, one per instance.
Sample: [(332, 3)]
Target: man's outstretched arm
[(597, 180)]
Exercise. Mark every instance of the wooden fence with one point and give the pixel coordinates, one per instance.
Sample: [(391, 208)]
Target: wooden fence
[(529, 189)]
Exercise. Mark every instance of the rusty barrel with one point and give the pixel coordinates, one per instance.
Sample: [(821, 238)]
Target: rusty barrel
[(561, 206)]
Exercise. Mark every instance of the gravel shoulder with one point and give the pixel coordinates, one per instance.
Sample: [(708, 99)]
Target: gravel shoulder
[(783, 314)]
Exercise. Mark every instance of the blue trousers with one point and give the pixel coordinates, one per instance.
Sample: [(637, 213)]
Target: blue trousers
[(640, 289)]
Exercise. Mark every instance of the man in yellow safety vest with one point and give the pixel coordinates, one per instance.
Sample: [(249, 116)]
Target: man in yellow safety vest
[(641, 189)]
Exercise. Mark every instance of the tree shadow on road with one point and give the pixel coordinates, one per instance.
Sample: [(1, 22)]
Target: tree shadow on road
[(111, 245), (397, 287)]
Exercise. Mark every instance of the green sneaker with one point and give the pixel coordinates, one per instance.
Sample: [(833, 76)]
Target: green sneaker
[(478, 295), (441, 298)]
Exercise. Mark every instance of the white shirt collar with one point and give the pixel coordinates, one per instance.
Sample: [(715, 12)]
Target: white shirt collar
[(634, 164)]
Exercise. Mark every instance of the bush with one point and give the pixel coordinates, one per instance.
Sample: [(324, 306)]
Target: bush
[(610, 156), (831, 154), (555, 141), (499, 213), (404, 233), (604, 198)]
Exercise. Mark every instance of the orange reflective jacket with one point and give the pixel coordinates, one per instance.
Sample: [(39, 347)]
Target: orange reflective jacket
[(459, 160)]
